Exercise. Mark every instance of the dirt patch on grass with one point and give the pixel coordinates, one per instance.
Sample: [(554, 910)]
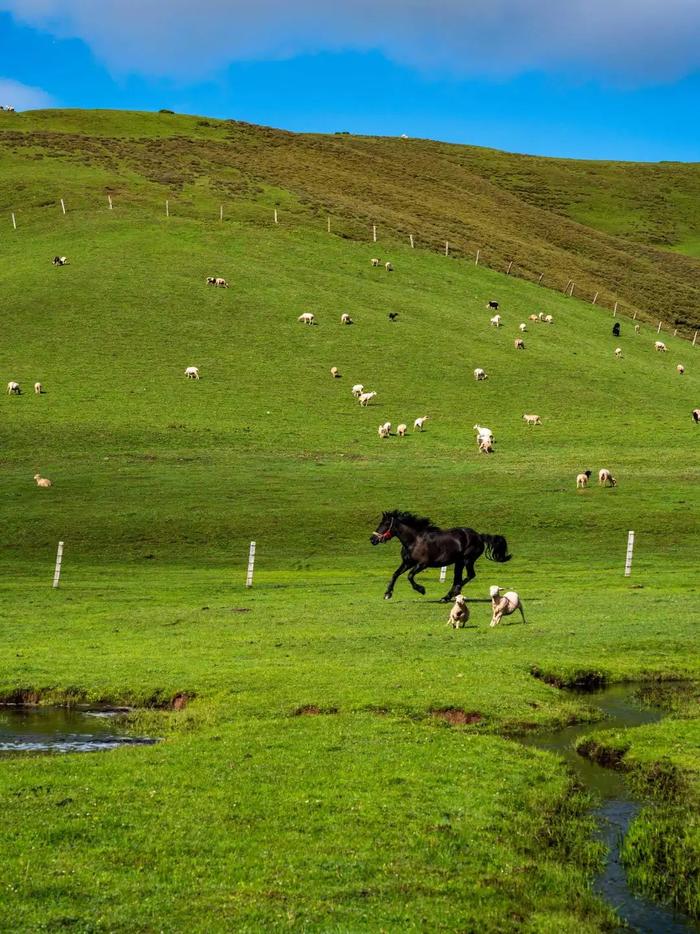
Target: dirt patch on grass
[(312, 710), (580, 680), (610, 757), (455, 716)]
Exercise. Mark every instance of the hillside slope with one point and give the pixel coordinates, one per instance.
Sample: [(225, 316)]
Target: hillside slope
[(599, 224)]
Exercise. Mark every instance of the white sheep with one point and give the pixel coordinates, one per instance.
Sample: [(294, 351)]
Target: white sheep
[(387, 425), (42, 481), (335, 373), (522, 327), (482, 432), (541, 316), (419, 422), (533, 318), (485, 445), (532, 419), (217, 281), (388, 267), (401, 430), (357, 390), (548, 319), (38, 389), (366, 397), (346, 319), (618, 353), (192, 372), (60, 261), (680, 369), (496, 321), (375, 261), (480, 374), (307, 318), (504, 604), (383, 431), (14, 389), (659, 345), (459, 614), (582, 480), (637, 329), (605, 478), (696, 415), (519, 343)]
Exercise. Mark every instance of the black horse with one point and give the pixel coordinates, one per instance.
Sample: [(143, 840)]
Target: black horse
[(424, 545)]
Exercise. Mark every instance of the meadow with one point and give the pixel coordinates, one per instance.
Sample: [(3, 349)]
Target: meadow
[(336, 762)]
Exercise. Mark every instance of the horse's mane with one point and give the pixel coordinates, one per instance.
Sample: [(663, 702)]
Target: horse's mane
[(420, 523)]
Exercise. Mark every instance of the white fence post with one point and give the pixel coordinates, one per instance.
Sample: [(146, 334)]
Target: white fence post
[(59, 559), (63, 207), (14, 222), (109, 199), (510, 266), (167, 208), (695, 337), (410, 237), (447, 247), (221, 212), (374, 233), (615, 310), (595, 299), (328, 225), (276, 221), (659, 328), (251, 565), (571, 291), (476, 261), (630, 551), (566, 287), (540, 278), (443, 574)]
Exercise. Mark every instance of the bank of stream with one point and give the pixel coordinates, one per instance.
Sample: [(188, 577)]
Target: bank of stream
[(28, 729), (617, 807)]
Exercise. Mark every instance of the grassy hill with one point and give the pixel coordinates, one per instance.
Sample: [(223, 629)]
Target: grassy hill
[(626, 231), (375, 813)]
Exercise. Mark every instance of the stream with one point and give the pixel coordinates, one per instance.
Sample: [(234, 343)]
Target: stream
[(617, 808), (27, 729)]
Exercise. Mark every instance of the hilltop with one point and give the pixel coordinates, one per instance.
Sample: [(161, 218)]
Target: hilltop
[(629, 232)]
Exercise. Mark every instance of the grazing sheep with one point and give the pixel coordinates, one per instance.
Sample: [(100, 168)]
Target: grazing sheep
[(504, 604), (217, 281), (541, 316), (13, 388), (548, 319), (38, 389), (637, 329), (401, 430), (696, 415), (375, 261), (307, 318), (59, 261), (480, 374), (482, 432), (680, 369), (419, 422), (533, 318), (493, 305), (485, 445), (616, 329), (387, 425), (618, 353), (519, 343), (192, 372), (393, 315), (388, 267), (334, 372), (496, 321), (346, 319), (459, 614), (42, 481), (366, 397), (522, 327), (605, 478), (383, 431), (532, 419), (582, 480), (357, 390), (659, 345)]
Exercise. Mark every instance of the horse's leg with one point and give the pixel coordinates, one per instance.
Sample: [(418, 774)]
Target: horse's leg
[(469, 568), (411, 575), (456, 582), (520, 606), (401, 569)]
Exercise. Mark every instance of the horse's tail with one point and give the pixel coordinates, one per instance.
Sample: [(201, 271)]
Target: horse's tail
[(495, 548)]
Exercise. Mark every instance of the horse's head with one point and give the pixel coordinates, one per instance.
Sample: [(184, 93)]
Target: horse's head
[(385, 529)]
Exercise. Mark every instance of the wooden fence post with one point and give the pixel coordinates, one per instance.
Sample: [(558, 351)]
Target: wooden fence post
[(540, 278), (221, 212), (571, 291), (251, 565), (659, 328), (374, 233), (630, 552), (410, 237), (276, 221), (447, 247), (63, 207), (109, 201), (510, 264), (328, 225), (14, 222), (615, 310), (695, 337), (167, 208), (476, 261), (595, 299), (59, 560), (566, 287)]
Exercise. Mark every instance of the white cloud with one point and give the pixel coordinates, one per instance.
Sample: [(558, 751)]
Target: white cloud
[(639, 41), (22, 96)]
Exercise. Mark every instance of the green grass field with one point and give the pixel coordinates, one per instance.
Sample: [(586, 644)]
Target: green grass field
[(311, 782)]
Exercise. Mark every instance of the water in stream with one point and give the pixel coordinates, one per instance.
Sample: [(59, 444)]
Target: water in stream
[(617, 808), (25, 729)]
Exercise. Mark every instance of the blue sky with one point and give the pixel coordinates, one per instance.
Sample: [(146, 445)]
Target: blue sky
[(616, 79)]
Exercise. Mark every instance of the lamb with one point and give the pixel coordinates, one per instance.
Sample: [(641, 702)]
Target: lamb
[(388, 267), (357, 390), (605, 478), (217, 281), (384, 431), (519, 343), (532, 419), (419, 422), (480, 374), (485, 445), (393, 315), (401, 430), (366, 397), (42, 481), (375, 261), (618, 353), (346, 319), (334, 372), (192, 372), (680, 369), (482, 432), (637, 329), (493, 305), (696, 415), (38, 389), (616, 329), (59, 261), (496, 321), (307, 318), (533, 318), (541, 316), (522, 327), (387, 426), (459, 614), (659, 345), (504, 604), (548, 319), (13, 388), (582, 480)]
